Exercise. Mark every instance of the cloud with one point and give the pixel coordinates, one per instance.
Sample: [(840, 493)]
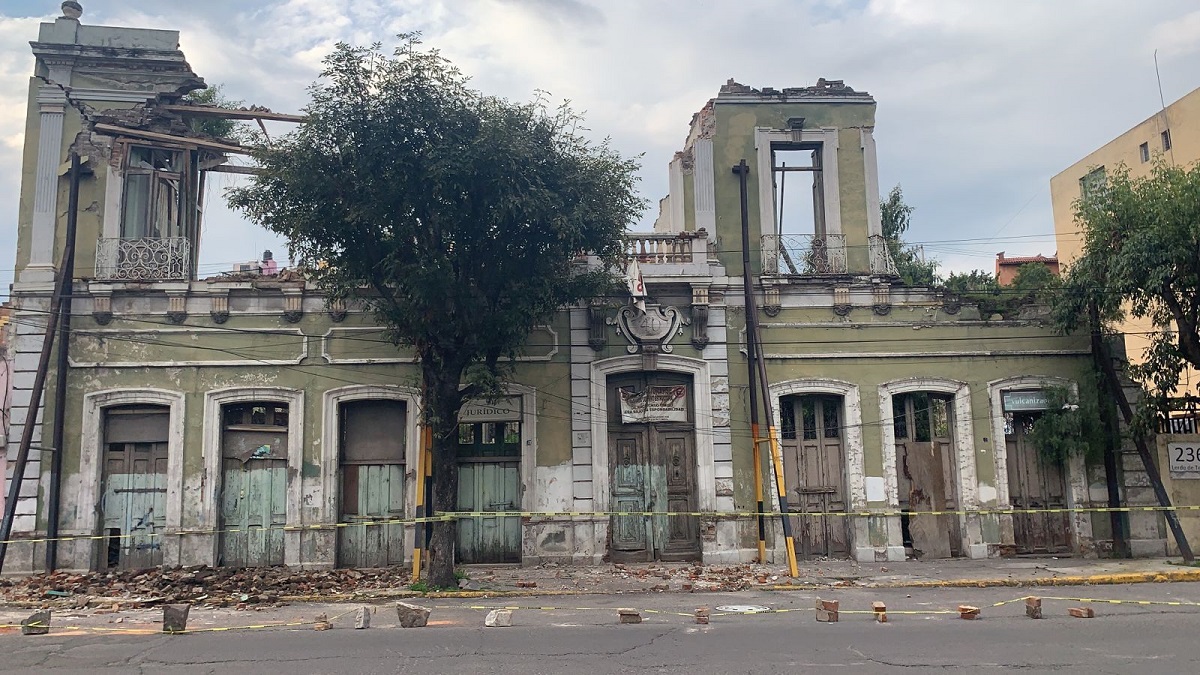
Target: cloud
[(980, 102)]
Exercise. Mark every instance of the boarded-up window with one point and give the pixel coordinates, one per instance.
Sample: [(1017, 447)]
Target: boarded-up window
[(373, 432), (136, 424)]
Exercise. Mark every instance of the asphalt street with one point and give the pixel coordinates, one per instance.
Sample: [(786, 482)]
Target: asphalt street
[(573, 634)]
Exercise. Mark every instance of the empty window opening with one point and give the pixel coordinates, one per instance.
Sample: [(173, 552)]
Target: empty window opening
[(1166, 140), (1093, 183), (799, 202), (798, 194), (1144, 152)]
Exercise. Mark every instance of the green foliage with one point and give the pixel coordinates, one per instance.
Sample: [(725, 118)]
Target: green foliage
[(456, 218), (896, 215), (1141, 259), (213, 126), (1069, 427), (1033, 284)]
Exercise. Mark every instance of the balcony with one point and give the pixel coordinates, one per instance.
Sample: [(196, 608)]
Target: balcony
[(881, 258), (804, 254), (166, 259), (681, 254)]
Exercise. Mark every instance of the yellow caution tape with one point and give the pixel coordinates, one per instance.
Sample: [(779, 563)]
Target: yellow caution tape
[(460, 515)]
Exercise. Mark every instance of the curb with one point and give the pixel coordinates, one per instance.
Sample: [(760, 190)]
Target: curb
[(1089, 580)]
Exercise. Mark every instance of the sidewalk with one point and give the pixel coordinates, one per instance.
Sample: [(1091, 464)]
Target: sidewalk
[(273, 587)]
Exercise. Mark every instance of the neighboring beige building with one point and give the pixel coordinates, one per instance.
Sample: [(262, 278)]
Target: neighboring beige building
[(1174, 134)]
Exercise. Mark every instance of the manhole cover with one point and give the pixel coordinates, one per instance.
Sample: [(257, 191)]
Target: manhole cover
[(743, 609)]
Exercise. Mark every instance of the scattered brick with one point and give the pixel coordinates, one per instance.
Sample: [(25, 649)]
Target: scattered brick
[(1033, 607), (702, 615), (322, 623), (827, 611), (968, 612), (1082, 612)]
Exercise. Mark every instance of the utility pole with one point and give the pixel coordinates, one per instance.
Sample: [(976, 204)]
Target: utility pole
[(743, 172), (757, 367), (58, 441), (35, 399)]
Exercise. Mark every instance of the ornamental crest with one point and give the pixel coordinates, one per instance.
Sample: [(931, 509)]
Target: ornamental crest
[(650, 330)]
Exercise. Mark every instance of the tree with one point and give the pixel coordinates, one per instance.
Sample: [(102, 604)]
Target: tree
[(1141, 259), (457, 218), (216, 126), (911, 265)]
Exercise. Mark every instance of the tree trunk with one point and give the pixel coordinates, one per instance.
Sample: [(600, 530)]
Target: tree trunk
[(443, 399)]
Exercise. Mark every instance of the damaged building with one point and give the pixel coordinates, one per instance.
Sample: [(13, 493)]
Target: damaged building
[(245, 420)]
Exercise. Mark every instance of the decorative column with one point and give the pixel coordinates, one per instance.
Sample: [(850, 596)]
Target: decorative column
[(45, 186)]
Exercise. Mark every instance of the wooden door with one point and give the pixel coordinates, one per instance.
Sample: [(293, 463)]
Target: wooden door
[(814, 471), (652, 469), (675, 451), (1035, 483), (254, 486), (923, 424), (135, 486), (371, 434), (489, 480), (630, 464)]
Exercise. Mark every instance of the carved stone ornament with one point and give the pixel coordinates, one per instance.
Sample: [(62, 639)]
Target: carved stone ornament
[(102, 308), (951, 306), (651, 330), (882, 310), (337, 311), (293, 315), (699, 327), (177, 317), (219, 316), (102, 318), (842, 309)]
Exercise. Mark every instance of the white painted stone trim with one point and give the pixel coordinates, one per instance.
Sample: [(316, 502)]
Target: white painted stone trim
[(114, 189), (704, 185), (330, 432), (330, 333), (871, 165), (706, 492), (45, 190), (89, 489), (830, 183), (965, 470), (249, 361), (852, 427), (675, 179), (213, 400), (1077, 481)]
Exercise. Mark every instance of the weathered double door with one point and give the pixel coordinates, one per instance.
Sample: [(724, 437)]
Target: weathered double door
[(652, 469), (1037, 484), (923, 425), (254, 446), (135, 486), (814, 474)]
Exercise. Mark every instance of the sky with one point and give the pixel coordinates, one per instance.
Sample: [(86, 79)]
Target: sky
[(980, 102)]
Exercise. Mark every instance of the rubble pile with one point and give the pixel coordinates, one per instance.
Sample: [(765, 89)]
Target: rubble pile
[(200, 585)]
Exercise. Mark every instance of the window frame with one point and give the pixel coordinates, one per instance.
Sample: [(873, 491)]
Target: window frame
[(177, 227), (1144, 152), (1165, 135)]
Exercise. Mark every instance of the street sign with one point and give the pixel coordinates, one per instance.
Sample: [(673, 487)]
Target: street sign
[(1025, 401)]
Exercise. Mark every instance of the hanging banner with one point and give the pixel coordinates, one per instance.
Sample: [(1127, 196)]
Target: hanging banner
[(655, 404)]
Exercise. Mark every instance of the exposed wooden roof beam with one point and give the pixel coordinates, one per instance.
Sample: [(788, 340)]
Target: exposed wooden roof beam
[(233, 168), (231, 114), (168, 138)]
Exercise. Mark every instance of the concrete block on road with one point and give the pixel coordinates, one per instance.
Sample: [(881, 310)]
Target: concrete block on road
[(175, 618), (968, 612), (411, 616), (498, 618), (322, 623), (38, 623), (362, 618), (629, 615)]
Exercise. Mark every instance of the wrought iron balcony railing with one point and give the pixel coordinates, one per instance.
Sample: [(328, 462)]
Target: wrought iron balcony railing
[(166, 259), (804, 254)]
